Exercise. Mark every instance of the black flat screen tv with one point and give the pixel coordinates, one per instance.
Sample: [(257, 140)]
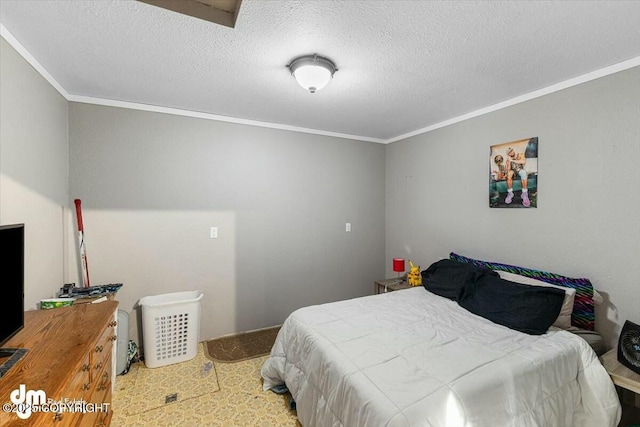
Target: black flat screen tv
[(11, 290)]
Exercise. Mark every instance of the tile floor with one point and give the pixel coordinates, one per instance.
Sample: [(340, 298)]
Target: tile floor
[(208, 394)]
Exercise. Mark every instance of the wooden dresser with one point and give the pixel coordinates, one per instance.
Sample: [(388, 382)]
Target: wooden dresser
[(71, 358)]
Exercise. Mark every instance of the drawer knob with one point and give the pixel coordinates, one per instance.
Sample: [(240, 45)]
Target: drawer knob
[(99, 365), (113, 338), (98, 349), (86, 367), (86, 386), (57, 417), (113, 323)]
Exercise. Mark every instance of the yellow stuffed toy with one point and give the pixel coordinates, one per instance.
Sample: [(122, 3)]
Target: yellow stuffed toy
[(413, 276)]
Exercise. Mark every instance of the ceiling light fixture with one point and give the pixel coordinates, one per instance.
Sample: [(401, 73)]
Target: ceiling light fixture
[(312, 72)]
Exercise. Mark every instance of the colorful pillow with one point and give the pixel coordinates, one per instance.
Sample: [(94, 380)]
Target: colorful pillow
[(583, 315), (563, 321)]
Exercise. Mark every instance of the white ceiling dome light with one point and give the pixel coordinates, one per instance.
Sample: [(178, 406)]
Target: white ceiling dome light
[(312, 72)]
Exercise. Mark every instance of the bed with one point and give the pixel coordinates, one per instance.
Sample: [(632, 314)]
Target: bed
[(414, 358)]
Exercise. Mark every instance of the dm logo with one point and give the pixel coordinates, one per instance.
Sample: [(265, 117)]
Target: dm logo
[(25, 400)]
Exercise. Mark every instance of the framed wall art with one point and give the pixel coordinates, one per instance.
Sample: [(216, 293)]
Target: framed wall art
[(513, 174)]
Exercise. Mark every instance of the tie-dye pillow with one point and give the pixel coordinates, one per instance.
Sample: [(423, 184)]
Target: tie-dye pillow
[(583, 315)]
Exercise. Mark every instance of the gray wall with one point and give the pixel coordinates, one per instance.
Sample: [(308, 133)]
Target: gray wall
[(153, 184), (586, 223), (34, 169)]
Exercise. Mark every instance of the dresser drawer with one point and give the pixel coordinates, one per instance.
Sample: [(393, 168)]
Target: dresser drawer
[(102, 381), (80, 383), (64, 419), (101, 416), (106, 341)]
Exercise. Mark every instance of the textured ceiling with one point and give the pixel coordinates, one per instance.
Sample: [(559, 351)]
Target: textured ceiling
[(403, 65)]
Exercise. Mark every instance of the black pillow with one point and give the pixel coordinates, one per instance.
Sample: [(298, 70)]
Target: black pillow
[(524, 308), (448, 277)]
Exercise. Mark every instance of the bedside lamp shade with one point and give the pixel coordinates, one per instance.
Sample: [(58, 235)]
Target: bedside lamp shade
[(398, 265)]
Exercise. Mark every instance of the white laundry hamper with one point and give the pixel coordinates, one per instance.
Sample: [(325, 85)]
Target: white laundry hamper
[(170, 327)]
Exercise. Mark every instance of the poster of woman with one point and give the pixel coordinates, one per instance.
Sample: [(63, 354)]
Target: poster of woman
[(513, 174)]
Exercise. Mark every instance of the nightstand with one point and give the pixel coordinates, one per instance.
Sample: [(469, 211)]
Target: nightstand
[(624, 379), (389, 285), (620, 374)]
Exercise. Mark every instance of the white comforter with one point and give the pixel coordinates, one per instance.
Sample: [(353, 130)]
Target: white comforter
[(411, 358)]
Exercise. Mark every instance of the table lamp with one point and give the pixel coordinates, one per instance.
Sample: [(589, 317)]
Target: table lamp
[(398, 266)]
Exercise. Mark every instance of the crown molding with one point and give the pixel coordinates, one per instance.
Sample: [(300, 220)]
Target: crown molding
[(6, 34), (621, 66)]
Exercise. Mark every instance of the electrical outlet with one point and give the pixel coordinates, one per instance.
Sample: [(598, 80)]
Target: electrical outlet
[(213, 233), (347, 227)]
